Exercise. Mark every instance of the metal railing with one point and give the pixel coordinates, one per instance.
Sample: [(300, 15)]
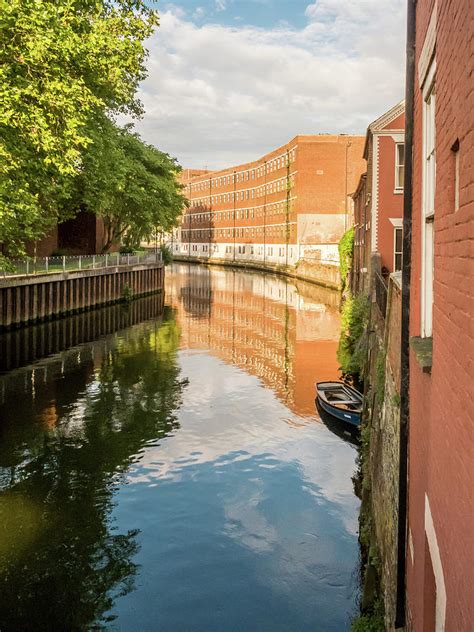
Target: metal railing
[(49, 265), (381, 292)]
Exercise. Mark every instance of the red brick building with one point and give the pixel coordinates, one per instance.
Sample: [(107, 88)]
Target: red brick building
[(378, 198), (440, 549), (292, 201), (82, 235)]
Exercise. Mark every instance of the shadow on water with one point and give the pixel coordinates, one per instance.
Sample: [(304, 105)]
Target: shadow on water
[(70, 427), (22, 346), (344, 431)]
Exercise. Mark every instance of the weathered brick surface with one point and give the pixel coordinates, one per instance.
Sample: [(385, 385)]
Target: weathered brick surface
[(385, 441), (441, 404)]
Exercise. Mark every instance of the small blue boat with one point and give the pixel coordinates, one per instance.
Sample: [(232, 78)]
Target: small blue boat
[(341, 401)]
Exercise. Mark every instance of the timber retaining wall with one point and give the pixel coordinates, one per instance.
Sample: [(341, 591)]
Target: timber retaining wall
[(29, 299)]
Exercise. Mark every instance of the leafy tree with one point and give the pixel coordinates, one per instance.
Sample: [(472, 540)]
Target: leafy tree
[(61, 63), (132, 185)]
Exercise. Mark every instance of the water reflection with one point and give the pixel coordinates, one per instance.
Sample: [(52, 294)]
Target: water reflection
[(174, 475), (285, 332), (76, 424)]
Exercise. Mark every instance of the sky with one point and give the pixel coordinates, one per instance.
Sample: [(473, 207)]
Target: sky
[(229, 80)]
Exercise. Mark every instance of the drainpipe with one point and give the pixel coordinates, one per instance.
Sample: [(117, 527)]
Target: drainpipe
[(400, 618)]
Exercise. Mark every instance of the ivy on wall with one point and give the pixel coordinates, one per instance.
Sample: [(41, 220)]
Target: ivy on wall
[(346, 250)]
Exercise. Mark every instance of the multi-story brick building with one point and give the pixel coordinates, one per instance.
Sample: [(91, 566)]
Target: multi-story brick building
[(440, 291), (294, 200), (378, 199)]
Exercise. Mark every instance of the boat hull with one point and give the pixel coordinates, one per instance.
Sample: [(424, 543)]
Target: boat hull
[(349, 417)]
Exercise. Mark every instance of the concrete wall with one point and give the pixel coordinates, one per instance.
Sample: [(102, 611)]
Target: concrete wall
[(35, 298)]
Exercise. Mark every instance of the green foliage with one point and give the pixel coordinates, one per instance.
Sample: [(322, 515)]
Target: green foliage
[(127, 294), (130, 184), (166, 255), (62, 63), (346, 250), (369, 622), (352, 348)]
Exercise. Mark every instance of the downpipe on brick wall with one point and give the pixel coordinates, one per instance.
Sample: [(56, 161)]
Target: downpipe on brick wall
[(400, 618)]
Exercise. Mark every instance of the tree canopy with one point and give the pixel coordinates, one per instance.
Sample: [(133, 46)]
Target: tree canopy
[(64, 66), (130, 184)]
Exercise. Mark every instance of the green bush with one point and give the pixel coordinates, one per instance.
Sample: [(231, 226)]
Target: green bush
[(352, 348), (166, 254), (372, 622)]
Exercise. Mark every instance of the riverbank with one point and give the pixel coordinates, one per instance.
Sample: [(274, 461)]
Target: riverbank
[(28, 299), (305, 270)]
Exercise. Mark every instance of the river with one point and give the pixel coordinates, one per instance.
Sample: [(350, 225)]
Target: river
[(164, 468)]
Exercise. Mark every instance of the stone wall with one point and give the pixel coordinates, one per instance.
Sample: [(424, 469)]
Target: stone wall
[(384, 441), (306, 270), (380, 453)]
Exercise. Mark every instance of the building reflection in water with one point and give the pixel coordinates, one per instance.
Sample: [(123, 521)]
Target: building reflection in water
[(283, 331)]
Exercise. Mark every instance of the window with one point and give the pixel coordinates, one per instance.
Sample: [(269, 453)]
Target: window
[(399, 165), (397, 249), (428, 208), (455, 150)]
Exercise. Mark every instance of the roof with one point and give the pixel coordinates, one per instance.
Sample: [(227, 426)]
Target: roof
[(382, 122)]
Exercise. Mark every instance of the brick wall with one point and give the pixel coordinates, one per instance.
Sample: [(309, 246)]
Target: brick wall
[(44, 247), (441, 445)]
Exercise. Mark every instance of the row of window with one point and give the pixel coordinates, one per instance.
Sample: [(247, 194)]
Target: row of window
[(241, 250), (250, 174), (279, 230), (245, 213), (277, 186)]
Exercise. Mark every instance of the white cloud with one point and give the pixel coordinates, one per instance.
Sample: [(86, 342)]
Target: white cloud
[(220, 5), (217, 95), (199, 13)]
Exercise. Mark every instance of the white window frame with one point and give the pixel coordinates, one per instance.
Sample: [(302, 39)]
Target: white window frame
[(428, 201), (395, 251), (398, 186)]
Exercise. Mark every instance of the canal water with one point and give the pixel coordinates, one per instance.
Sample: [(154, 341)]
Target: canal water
[(164, 468)]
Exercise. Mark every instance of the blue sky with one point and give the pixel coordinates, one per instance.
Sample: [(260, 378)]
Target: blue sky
[(265, 14), (229, 80)]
